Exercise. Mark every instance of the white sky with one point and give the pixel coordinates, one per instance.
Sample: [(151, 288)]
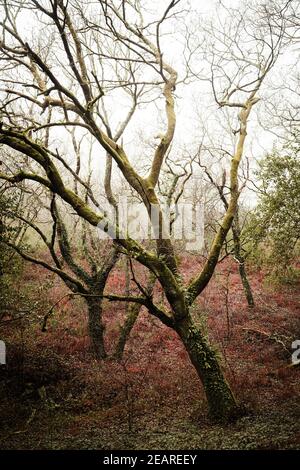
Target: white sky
[(194, 104)]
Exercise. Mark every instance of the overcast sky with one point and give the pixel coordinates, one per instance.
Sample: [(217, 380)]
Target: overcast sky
[(197, 112)]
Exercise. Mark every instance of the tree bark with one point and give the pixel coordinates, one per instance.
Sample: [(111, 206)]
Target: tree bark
[(131, 317), (96, 328), (246, 285), (132, 313), (222, 404), (236, 232)]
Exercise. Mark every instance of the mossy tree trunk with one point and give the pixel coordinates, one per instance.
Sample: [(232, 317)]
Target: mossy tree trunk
[(246, 285), (221, 401), (241, 259), (132, 313), (96, 328), (131, 317)]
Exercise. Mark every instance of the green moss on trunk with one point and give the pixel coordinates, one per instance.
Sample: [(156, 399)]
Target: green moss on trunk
[(221, 401), (96, 328)]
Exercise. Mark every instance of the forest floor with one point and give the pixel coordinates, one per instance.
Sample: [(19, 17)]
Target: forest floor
[(54, 395)]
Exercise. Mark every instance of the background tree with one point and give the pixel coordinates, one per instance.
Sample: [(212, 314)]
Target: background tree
[(234, 244), (276, 222), (10, 265)]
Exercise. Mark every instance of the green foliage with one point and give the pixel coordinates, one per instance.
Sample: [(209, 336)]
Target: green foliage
[(10, 262), (275, 225)]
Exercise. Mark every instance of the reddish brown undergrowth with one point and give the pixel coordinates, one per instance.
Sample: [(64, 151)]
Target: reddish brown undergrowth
[(155, 380)]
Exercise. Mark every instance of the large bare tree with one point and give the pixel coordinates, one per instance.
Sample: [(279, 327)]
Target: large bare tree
[(97, 65)]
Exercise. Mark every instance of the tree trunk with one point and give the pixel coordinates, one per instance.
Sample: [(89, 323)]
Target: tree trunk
[(246, 285), (96, 328), (236, 232), (131, 317), (221, 401), (132, 313)]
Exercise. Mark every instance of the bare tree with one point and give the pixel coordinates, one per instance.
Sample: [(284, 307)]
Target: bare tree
[(234, 246), (91, 52)]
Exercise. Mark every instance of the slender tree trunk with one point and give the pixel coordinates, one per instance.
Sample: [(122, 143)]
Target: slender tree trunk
[(132, 313), (246, 284), (221, 401), (131, 317), (96, 328), (236, 232)]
